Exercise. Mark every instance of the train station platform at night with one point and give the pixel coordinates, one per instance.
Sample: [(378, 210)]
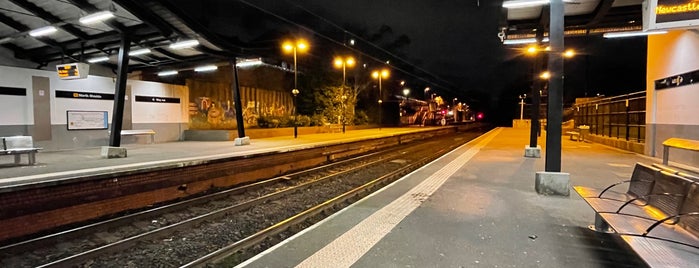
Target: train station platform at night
[(474, 207)]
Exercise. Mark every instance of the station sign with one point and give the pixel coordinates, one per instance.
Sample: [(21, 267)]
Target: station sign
[(679, 80), (157, 99), (76, 70), (83, 95), (670, 14), (15, 91)]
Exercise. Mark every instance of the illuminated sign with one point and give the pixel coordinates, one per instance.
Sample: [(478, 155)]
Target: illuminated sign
[(83, 95), (72, 71), (157, 99)]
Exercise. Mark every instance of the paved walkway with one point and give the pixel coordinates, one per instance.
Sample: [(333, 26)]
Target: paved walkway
[(62, 164), (475, 207)]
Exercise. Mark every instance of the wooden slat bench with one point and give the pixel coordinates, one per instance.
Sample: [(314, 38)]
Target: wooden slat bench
[(658, 216), (685, 144), (19, 145)]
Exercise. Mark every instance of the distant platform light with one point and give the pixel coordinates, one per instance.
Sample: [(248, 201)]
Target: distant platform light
[(631, 34), (43, 31), (167, 73), (96, 17), (523, 41), (184, 44), (139, 52), (249, 62), (98, 59), (206, 68), (351, 42), (524, 3)]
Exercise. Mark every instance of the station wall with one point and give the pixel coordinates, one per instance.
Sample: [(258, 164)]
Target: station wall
[(42, 110), (673, 111)]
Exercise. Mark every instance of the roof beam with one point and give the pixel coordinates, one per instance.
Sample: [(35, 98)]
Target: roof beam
[(24, 28), (31, 7), (147, 16), (601, 11)]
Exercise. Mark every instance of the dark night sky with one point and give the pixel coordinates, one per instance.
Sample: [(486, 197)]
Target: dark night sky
[(454, 40)]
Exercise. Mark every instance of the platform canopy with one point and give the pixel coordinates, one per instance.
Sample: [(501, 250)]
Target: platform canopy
[(582, 17), (56, 31)]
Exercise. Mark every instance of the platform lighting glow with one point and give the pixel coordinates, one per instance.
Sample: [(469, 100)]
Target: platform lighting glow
[(523, 41), (184, 44), (6, 40), (98, 59), (524, 3), (167, 73), (569, 53), (96, 17), (249, 62), (43, 31), (631, 34), (206, 68), (545, 75), (139, 52)]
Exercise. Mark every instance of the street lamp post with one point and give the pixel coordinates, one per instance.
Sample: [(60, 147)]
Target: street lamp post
[(293, 47), (521, 106), (380, 75), (344, 63), (427, 89)]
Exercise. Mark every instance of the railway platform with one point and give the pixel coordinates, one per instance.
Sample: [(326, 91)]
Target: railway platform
[(53, 165), (474, 207)]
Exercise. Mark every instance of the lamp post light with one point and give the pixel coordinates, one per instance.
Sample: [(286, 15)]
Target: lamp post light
[(343, 63), (521, 106), (427, 90), (380, 75), (294, 47), (406, 92)]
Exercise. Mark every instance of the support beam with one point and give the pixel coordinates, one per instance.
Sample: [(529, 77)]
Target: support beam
[(238, 106), (120, 91), (148, 17), (555, 93), (53, 19), (601, 11)]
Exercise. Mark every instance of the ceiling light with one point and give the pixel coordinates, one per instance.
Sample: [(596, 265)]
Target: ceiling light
[(524, 3), (522, 41), (98, 59), (184, 44), (43, 31), (167, 73), (206, 68), (139, 52), (96, 17), (630, 34), (6, 40)]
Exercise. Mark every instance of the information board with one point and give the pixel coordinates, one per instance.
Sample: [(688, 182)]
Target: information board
[(83, 120), (669, 14), (70, 71)]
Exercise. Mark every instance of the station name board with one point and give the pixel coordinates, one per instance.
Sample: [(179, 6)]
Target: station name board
[(83, 95), (668, 14), (71, 71)]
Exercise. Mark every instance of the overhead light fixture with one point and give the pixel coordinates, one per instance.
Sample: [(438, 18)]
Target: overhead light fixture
[(523, 41), (184, 44), (167, 73), (524, 3), (96, 17), (43, 31), (206, 68), (630, 34), (98, 59), (6, 40), (139, 52), (249, 62)]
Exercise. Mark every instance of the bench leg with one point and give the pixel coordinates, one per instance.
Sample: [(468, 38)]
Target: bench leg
[(18, 158), (666, 154), (32, 158), (600, 225)]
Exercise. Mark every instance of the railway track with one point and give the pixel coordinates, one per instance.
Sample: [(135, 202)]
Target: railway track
[(229, 225)]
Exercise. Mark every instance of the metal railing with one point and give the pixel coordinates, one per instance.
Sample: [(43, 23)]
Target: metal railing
[(622, 117)]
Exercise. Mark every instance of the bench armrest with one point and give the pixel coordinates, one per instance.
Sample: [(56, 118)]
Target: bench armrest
[(611, 186), (652, 226), (639, 198)]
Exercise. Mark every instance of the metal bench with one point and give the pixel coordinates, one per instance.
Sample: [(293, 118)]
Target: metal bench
[(138, 132), (658, 216), (691, 145), (331, 128), (19, 145)]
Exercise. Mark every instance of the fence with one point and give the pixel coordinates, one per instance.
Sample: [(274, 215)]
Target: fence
[(622, 117)]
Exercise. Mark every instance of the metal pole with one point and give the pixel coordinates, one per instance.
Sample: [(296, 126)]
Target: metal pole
[(555, 98), (521, 109), (296, 132), (344, 108), (536, 99), (120, 91), (237, 103), (380, 101)]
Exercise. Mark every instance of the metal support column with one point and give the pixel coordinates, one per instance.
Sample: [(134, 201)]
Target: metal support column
[(120, 91), (555, 93), (238, 105)]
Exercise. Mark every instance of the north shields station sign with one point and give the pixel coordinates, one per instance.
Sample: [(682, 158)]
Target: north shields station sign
[(669, 14)]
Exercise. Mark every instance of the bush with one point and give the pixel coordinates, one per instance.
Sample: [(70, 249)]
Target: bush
[(360, 117), (317, 120)]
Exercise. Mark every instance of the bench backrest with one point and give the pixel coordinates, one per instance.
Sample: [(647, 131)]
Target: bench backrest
[(669, 193), (691, 204), (18, 142), (642, 180)]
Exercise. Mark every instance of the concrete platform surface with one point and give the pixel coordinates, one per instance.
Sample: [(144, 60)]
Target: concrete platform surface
[(67, 163), (475, 207)]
